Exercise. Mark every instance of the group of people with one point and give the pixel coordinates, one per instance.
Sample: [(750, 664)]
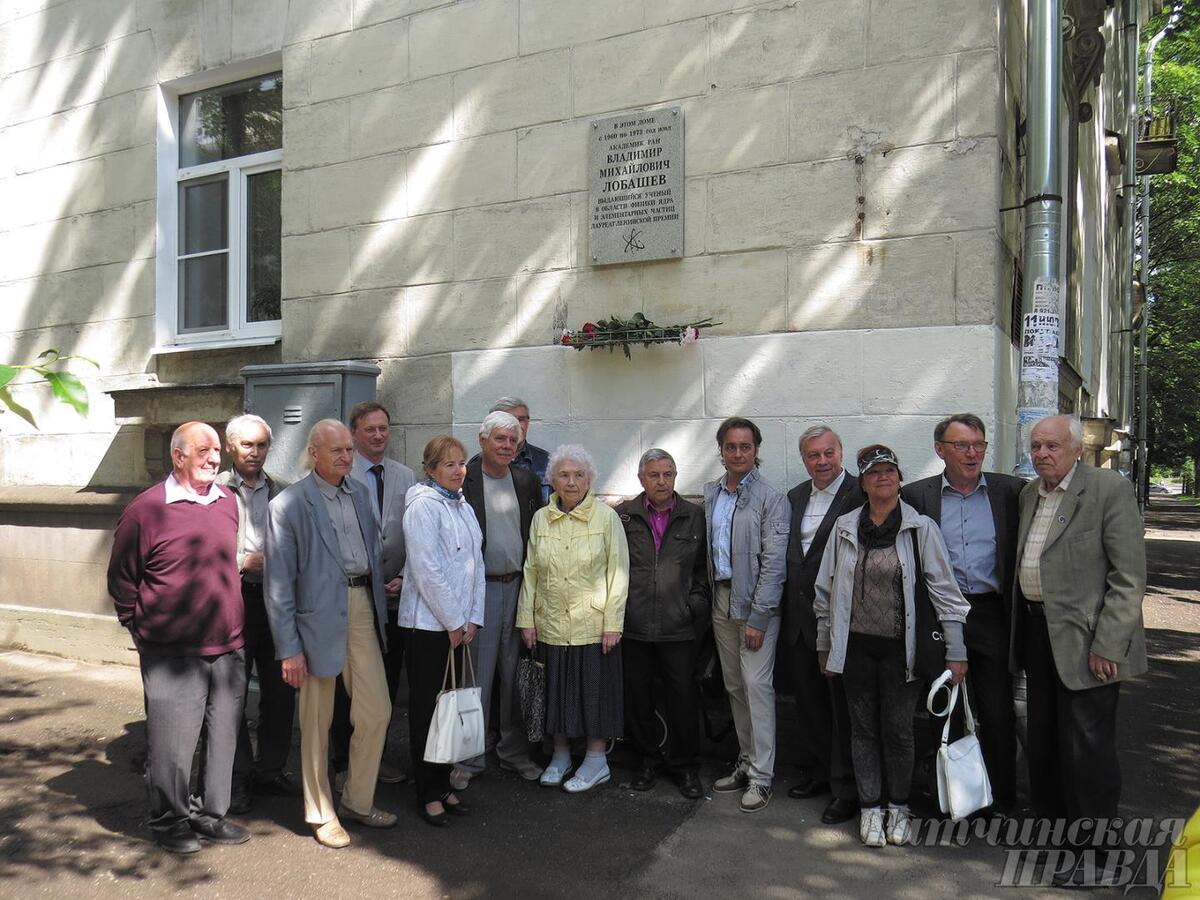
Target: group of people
[(334, 583)]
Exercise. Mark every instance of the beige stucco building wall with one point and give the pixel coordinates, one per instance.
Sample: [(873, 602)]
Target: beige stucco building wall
[(846, 162)]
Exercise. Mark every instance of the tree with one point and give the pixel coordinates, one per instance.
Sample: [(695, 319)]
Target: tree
[(67, 388), (1174, 331)]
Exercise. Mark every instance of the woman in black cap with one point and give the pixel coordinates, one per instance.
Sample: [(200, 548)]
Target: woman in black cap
[(866, 632)]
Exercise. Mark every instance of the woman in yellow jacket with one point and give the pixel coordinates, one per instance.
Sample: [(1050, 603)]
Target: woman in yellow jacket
[(572, 610)]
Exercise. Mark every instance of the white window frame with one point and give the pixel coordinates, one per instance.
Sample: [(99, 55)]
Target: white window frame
[(239, 332)]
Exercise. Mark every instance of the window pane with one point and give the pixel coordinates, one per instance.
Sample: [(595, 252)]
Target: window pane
[(232, 120), (203, 292), (203, 215), (262, 246)]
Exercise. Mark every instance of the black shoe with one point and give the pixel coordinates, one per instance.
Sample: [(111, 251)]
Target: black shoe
[(839, 810), (645, 779), (179, 839), (455, 809), (689, 786), (282, 785), (240, 801), (437, 820), (220, 831), (807, 789)]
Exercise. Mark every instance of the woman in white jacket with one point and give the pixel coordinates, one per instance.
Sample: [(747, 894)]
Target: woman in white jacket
[(865, 604), (441, 605)]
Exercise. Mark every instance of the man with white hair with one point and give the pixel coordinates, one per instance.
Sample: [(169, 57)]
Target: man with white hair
[(529, 457), (325, 599), (1077, 628), (173, 577), (504, 497), (388, 482), (247, 443)]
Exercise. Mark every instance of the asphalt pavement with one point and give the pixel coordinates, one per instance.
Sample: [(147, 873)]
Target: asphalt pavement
[(72, 804)]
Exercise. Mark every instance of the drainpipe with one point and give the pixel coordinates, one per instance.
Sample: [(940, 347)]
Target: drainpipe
[(1143, 468), (1037, 391), (1129, 191)]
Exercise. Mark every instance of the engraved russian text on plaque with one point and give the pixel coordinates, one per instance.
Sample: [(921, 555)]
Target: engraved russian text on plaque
[(636, 170)]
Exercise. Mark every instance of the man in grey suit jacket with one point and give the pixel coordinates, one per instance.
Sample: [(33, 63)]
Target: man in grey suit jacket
[(1077, 622), (977, 514), (387, 482), (325, 600)]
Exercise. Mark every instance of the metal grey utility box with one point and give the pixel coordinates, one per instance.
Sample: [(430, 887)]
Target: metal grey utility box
[(293, 397)]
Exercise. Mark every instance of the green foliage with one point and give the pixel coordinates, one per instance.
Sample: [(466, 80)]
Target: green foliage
[(67, 388), (1174, 334)]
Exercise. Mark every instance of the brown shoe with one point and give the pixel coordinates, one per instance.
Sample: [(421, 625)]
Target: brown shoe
[(332, 834), (376, 818)]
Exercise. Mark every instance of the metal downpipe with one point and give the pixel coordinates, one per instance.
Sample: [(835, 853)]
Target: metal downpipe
[(1037, 392)]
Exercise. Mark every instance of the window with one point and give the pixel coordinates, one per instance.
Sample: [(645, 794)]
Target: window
[(219, 246)]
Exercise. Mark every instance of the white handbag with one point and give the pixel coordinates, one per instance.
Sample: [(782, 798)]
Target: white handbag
[(962, 778), (456, 731)]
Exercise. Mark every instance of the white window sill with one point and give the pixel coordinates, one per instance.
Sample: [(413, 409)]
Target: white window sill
[(226, 344)]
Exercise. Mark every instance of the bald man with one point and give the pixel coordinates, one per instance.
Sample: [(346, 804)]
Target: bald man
[(173, 577), (1077, 629), (327, 605)]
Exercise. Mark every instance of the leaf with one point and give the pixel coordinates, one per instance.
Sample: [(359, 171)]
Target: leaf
[(7, 400), (50, 355), (69, 390), (7, 374)]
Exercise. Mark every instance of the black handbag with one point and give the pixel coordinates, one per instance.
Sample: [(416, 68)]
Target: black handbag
[(930, 659), (531, 694)]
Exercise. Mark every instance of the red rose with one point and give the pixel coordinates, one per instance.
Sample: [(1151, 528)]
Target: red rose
[(589, 328)]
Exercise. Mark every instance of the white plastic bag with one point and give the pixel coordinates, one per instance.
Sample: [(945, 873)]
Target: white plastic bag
[(457, 731), (962, 778)]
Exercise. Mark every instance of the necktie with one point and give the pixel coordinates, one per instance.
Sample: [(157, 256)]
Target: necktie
[(378, 472)]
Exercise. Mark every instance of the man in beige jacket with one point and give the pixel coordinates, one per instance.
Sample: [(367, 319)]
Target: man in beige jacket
[(1077, 621)]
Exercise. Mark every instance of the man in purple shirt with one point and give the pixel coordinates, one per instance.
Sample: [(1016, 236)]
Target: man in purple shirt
[(173, 577), (668, 605)]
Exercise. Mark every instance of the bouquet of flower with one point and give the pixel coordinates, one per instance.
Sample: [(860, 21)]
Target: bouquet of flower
[(615, 332)]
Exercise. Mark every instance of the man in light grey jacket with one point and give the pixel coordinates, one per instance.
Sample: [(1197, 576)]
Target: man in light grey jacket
[(748, 521), (325, 600)]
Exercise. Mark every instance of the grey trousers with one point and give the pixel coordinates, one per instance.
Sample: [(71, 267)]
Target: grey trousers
[(184, 694), (494, 654), (750, 682)]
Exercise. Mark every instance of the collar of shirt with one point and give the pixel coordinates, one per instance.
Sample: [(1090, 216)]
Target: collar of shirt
[(747, 479), (981, 486), (833, 487), (652, 512), (1062, 485), (330, 490), (176, 492), (365, 463), (242, 484)]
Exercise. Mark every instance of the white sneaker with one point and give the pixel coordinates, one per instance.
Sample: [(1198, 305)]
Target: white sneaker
[(899, 826), (870, 827)]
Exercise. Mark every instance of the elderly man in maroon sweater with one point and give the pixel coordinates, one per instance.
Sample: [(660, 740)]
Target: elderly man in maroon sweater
[(174, 580)]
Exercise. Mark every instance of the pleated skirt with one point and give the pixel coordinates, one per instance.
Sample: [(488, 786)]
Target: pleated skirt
[(584, 696)]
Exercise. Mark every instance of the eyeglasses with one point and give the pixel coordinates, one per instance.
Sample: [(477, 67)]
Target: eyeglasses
[(964, 446)]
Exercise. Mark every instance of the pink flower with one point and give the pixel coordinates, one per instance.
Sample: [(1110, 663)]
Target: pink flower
[(689, 336)]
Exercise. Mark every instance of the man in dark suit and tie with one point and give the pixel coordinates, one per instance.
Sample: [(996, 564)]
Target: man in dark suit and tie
[(820, 699), (977, 513)]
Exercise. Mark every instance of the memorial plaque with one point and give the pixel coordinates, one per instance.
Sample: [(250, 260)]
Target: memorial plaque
[(636, 170)]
